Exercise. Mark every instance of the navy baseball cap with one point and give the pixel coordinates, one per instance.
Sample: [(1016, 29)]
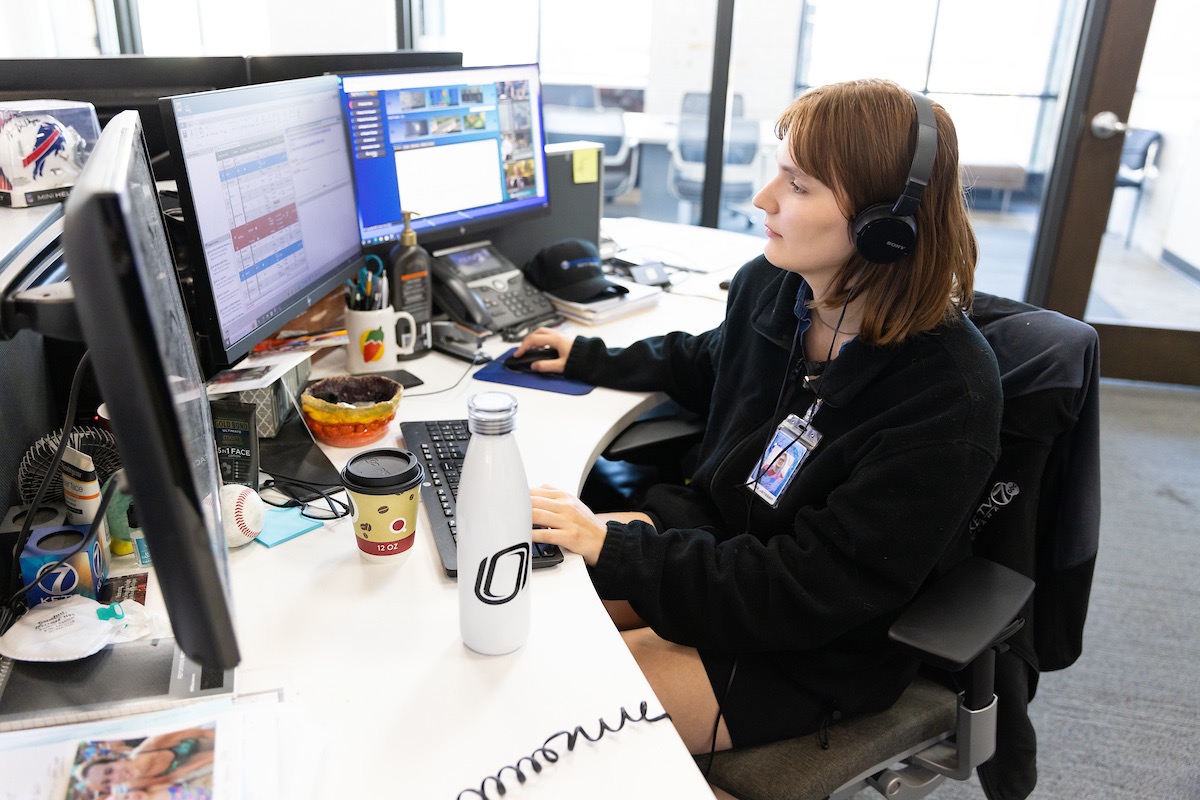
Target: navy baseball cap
[(572, 270)]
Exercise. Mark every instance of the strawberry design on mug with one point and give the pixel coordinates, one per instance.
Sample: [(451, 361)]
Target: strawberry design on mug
[(370, 344)]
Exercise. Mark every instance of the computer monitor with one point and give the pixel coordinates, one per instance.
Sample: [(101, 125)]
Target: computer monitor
[(267, 69), (463, 149), (128, 301), (267, 201), (118, 83)]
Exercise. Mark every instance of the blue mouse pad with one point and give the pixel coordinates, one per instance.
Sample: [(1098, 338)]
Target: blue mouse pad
[(496, 372)]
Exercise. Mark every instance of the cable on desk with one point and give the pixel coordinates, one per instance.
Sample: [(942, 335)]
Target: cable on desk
[(480, 358), (12, 609), (550, 755)]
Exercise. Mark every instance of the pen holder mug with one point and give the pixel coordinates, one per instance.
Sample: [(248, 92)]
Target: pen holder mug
[(371, 339)]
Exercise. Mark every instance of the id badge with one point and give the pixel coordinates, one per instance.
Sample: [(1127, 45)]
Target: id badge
[(790, 445)]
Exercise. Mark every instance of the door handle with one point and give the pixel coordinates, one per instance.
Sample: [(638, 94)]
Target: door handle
[(1106, 125)]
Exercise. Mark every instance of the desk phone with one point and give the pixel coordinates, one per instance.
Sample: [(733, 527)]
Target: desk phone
[(477, 285)]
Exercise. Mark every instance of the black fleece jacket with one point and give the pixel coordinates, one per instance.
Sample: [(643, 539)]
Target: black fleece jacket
[(911, 433)]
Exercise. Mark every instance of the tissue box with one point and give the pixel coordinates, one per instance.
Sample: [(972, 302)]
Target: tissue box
[(83, 573), (43, 146), (277, 402)]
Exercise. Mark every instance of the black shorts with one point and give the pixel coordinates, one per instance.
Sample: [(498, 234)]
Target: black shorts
[(761, 705)]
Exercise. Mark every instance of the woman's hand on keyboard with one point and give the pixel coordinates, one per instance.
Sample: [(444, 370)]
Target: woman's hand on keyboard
[(567, 523)]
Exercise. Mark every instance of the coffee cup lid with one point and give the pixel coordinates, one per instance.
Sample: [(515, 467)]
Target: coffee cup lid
[(382, 471)]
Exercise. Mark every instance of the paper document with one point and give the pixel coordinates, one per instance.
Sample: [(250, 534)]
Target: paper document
[(687, 247)]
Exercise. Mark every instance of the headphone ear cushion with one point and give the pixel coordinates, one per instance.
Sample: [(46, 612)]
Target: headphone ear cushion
[(881, 237)]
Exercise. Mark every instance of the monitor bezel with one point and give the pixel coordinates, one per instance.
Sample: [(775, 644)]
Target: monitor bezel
[(199, 295), (269, 69), (187, 546), (464, 229)]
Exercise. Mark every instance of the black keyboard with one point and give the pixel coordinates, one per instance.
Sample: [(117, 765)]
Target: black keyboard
[(441, 445)]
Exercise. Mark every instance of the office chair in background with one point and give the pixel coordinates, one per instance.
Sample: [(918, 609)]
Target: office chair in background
[(574, 112), (989, 626), (685, 176), (1138, 158)]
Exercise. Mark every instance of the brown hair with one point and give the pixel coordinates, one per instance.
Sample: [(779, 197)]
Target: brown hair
[(858, 138)]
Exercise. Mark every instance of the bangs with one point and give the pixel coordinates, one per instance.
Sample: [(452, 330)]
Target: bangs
[(807, 129)]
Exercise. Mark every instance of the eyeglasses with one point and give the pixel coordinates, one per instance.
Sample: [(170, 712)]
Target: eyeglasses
[(306, 497)]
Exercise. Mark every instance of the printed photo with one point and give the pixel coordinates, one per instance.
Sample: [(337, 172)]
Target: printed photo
[(170, 766)]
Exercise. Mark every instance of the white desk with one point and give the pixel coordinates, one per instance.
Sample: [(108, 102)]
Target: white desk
[(373, 651)]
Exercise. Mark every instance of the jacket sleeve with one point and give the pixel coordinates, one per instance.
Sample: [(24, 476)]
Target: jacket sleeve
[(862, 555), (680, 364)]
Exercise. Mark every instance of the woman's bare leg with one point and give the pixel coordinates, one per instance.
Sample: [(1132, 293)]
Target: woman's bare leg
[(677, 676), (676, 673)]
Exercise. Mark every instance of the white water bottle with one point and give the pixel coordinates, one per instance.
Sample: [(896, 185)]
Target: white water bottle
[(495, 518)]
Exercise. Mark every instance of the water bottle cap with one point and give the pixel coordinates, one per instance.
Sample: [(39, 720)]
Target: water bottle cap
[(491, 413)]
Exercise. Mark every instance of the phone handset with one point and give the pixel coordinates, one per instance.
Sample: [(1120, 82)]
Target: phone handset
[(475, 284), (454, 297)]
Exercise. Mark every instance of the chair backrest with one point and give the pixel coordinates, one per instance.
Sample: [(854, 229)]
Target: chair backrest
[(741, 143), (572, 95), (1041, 516), (1140, 148), (695, 104)]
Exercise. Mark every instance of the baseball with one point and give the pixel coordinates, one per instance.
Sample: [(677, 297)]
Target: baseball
[(242, 514)]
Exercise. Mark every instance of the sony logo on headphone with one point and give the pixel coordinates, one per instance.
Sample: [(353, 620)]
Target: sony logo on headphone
[(890, 243)]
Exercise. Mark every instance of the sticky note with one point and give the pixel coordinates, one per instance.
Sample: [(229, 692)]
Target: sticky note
[(585, 166), (282, 524)]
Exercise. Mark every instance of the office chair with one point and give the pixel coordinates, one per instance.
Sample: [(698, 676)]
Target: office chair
[(695, 104), (988, 627), (573, 112), (685, 177), (1138, 157)]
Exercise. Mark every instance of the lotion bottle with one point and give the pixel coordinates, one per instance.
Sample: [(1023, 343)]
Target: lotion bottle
[(409, 280), (495, 520)]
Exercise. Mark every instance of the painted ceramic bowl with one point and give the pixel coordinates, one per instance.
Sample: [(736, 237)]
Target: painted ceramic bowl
[(351, 410)]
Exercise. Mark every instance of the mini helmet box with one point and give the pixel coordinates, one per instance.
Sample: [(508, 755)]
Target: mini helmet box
[(43, 146)]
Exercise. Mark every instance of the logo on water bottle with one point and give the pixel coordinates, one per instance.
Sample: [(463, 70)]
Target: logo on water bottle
[(488, 567)]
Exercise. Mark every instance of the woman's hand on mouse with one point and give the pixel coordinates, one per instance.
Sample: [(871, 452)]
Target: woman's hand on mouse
[(567, 523), (547, 337)]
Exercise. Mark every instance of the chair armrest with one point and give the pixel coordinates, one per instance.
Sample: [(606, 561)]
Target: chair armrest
[(641, 436), (963, 613)]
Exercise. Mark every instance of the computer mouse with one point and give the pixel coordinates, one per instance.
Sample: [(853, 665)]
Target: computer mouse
[(525, 361)]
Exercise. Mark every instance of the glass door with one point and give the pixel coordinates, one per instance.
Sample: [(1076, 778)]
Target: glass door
[(1116, 245)]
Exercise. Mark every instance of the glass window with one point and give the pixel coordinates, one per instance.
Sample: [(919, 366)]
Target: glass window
[(260, 27), (65, 28), (869, 39)]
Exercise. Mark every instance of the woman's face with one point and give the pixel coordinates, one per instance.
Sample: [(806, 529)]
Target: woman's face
[(102, 777), (806, 229)]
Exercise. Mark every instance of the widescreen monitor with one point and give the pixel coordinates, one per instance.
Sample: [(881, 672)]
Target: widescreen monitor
[(267, 200), (129, 305), (120, 83), (463, 149)]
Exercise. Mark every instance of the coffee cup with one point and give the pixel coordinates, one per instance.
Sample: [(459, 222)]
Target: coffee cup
[(371, 339), (384, 486)]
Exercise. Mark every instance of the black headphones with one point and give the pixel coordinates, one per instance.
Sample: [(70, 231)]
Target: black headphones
[(885, 232)]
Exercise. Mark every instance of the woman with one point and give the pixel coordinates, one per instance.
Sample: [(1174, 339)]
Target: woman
[(852, 418)]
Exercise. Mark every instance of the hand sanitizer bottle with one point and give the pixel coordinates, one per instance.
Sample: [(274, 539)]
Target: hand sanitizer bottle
[(495, 520), (410, 279)]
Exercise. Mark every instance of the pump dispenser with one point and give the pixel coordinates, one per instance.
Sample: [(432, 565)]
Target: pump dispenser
[(409, 277)]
